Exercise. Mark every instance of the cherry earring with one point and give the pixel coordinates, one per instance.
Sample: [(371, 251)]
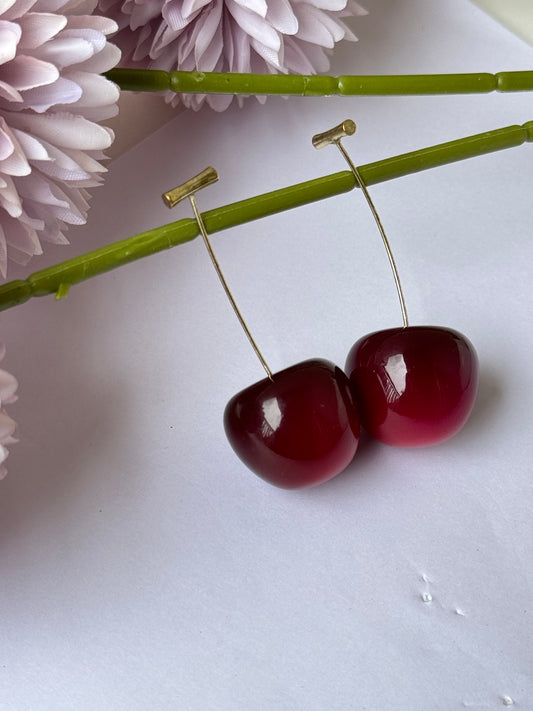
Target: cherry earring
[(295, 428), (414, 385)]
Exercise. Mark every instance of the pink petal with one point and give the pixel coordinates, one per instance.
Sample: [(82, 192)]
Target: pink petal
[(144, 45), (8, 386), (9, 93), (58, 214), (93, 23), (24, 238), (272, 58), (15, 164), (39, 27), (27, 72), (9, 198), (208, 31), (86, 162), (332, 5), (33, 149), (51, 230), (7, 144), (65, 130), (229, 48), (311, 29), (173, 15), (65, 51), (104, 60), (142, 14), (259, 7), (48, 5), (94, 90), (242, 51), (4, 453), (165, 36), (208, 61), (40, 190), (80, 200), (20, 258), (353, 8), (10, 35), (15, 8), (335, 27), (100, 113), (96, 39), (348, 35), (62, 166), (219, 102), (282, 17), (62, 91), (255, 26), (300, 54), (185, 49), (32, 222)]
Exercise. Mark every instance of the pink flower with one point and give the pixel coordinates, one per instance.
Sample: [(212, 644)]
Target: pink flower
[(8, 387), (229, 36), (51, 97)]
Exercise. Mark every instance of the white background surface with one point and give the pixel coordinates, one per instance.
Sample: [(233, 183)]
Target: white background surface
[(142, 567)]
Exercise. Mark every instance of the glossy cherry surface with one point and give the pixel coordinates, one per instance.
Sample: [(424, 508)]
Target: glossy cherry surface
[(299, 429), (414, 386)]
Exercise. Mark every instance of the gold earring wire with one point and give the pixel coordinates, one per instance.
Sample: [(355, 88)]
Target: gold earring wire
[(188, 190), (334, 135)]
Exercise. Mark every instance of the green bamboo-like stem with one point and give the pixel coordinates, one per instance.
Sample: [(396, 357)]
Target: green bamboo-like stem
[(318, 85), (58, 279)]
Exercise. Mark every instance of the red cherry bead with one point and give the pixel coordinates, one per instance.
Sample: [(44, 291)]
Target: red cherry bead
[(414, 386), (299, 429)]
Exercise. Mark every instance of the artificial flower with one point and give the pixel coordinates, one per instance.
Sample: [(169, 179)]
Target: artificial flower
[(8, 387), (293, 36), (52, 53)]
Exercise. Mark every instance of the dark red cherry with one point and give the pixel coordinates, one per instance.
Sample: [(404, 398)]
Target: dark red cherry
[(414, 386), (297, 430)]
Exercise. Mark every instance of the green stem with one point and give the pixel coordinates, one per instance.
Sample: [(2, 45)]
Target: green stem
[(318, 85), (58, 279)]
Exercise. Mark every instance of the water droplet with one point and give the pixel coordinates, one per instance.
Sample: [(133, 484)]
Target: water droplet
[(460, 612), (507, 701), (426, 597)]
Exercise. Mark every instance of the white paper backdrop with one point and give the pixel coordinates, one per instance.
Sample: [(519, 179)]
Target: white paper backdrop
[(142, 566)]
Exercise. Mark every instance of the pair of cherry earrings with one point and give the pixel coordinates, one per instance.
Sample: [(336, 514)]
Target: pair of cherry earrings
[(409, 386)]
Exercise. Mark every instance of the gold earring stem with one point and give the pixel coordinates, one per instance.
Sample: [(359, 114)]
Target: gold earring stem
[(224, 283), (188, 190), (381, 231), (334, 135)]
